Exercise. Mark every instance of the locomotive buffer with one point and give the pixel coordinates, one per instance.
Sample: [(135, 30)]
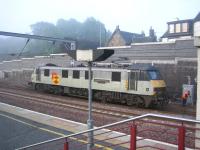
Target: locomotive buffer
[(90, 56)]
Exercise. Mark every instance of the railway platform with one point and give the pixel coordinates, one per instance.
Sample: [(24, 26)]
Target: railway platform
[(48, 127), (17, 132)]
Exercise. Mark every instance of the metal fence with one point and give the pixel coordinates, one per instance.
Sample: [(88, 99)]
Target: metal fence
[(148, 131)]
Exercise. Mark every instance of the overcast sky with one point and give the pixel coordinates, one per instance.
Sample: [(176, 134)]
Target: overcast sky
[(130, 15)]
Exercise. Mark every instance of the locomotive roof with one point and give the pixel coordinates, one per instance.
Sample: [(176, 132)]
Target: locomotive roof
[(81, 68), (141, 67), (132, 67)]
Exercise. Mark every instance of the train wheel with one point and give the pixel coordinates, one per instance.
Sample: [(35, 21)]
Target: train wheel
[(129, 101), (37, 87), (58, 90), (141, 102), (61, 90), (103, 100)]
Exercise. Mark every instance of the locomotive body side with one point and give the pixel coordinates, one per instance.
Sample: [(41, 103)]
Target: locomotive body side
[(111, 85)]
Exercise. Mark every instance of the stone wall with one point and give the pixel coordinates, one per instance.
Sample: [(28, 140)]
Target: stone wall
[(30, 63), (155, 51), (178, 74)]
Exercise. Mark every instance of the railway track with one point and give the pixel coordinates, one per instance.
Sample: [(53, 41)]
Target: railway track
[(75, 103), (76, 109), (67, 105)]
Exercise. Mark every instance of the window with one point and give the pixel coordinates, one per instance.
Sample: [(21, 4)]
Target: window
[(178, 27), (143, 76), (116, 76), (184, 27), (171, 28), (46, 72), (154, 75), (86, 75), (76, 74), (65, 73)]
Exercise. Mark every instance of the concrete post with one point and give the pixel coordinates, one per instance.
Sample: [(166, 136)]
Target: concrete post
[(197, 44), (198, 85), (197, 134)]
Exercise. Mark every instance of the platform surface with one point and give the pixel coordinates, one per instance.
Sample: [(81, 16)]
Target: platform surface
[(20, 127)]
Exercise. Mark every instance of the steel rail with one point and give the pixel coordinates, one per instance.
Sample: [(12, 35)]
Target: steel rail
[(113, 124), (69, 105)]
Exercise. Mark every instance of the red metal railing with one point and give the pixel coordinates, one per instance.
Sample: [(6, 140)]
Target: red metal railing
[(146, 131)]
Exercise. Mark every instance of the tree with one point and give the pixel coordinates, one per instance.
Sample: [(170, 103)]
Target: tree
[(89, 35), (43, 29), (68, 28), (93, 30)]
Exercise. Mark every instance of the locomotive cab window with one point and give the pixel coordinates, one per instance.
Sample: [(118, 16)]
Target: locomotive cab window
[(154, 75), (46, 72), (116, 76), (76, 74), (65, 73), (143, 76)]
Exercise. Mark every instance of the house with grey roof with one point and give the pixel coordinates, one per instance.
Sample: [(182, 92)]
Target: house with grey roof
[(179, 29), (123, 38)]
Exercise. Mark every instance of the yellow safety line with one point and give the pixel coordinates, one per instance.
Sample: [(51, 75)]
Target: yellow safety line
[(54, 132)]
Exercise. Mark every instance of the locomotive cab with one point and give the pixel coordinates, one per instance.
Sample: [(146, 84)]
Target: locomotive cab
[(158, 86), (147, 81)]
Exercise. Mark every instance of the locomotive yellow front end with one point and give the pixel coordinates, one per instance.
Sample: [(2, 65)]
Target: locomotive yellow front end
[(159, 87)]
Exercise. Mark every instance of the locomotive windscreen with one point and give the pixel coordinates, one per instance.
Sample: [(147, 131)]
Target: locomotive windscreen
[(154, 75)]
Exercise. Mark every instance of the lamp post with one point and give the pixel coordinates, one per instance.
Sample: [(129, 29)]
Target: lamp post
[(90, 121), (90, 56)]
